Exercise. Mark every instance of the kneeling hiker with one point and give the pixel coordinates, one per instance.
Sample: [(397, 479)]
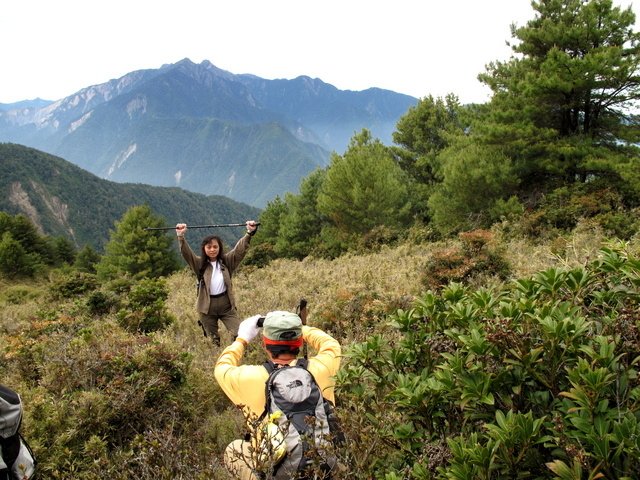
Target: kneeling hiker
[(277, 390)]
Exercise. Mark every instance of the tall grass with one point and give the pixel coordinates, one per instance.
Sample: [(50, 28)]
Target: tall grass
[(351, 297)]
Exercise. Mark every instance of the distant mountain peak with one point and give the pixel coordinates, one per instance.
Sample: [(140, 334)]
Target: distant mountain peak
[(186, 65), (207, 123)]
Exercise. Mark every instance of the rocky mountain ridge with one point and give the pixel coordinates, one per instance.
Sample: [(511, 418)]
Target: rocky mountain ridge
[(204, 129)]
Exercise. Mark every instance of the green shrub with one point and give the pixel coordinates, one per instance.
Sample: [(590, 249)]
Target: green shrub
[(378, 237), (475, 256), (72, 284), (19, 294), (15, 260), (101, 303), (110, 390), (520, 380), (121, 285), (620, 224), (564, 207), (260, 255), (145, 310)]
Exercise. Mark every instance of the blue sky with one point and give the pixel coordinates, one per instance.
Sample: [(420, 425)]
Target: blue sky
[(52, 49)]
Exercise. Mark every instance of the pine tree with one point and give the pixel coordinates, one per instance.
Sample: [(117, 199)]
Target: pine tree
[(137, 252), (364, 188), (422, 133), (15, 261), (303, 222), (476, 180), (87, 259), (562, 104), (64, 250)]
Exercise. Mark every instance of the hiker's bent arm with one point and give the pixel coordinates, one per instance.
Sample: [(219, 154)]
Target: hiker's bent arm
[(328, 348), (227, 373), (188, 255), (243, 384), (236, 255)]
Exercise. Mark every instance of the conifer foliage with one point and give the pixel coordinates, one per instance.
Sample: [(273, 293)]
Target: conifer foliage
[(563, 104), (137, 252)]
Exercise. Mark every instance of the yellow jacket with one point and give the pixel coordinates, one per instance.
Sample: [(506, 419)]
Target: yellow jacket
[(245, 384)]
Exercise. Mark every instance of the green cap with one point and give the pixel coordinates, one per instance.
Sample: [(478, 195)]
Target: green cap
[(282, 326)]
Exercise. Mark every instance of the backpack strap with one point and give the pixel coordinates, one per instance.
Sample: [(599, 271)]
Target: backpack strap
[(270, 366), (9, 395), (300, 362)]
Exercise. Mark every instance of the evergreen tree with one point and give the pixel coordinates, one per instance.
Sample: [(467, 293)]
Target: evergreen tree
[(477, 181), (263, 248), (270, 221), (137, 252), (422, 133), (87, 259), (24, 232), (15, 261), (301, 226), (562, 103), (364, 188), (65, 251)]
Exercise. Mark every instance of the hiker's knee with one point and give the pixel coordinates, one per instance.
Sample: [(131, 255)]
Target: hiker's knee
[(210, 325), (231, 322), (237, 460)]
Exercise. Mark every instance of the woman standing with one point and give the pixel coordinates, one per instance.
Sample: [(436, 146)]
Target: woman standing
[(214, 269)]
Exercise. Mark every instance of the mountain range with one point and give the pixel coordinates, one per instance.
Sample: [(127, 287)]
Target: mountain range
[(203, 129), (62, 199)]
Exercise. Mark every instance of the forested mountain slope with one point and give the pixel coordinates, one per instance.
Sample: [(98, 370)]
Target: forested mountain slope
[(61, 199), (204, 129)]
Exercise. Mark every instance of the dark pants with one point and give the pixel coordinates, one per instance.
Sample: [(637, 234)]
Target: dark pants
[(219, 309)]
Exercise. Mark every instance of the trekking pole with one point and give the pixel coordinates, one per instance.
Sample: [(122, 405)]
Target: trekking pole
[(301, 310), (204, 226)]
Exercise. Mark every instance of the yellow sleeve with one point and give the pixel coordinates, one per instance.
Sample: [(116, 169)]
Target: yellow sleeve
[(326, 363), (243, 384)]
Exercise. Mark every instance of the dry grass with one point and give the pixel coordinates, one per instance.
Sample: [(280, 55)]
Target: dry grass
[(389, 273), (280, 285), (356, 289), (527, 257)]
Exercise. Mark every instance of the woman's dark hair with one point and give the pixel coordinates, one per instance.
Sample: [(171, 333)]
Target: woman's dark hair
[(205, 241)]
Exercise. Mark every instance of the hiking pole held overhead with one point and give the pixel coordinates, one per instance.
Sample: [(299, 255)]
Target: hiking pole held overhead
[(301, 310), (204, 226)]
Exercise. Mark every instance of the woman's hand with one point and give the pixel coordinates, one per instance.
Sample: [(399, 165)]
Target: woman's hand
[(181, 229), (252, 227)]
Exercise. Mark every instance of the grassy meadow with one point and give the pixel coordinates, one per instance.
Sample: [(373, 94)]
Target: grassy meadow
[(103, 402)]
